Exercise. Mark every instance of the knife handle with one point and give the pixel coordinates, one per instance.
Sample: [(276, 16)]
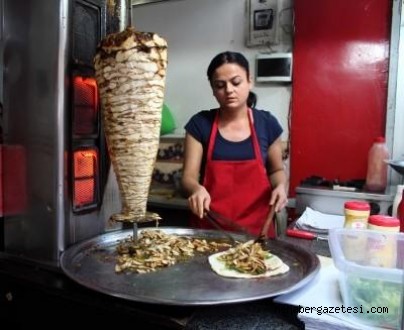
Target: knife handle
[(300, 234), (267, 223)]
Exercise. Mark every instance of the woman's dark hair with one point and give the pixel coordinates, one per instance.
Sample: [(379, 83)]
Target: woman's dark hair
[(236, 58)]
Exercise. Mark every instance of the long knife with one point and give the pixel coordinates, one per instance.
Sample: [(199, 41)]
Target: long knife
[(208, 216), (223, 221)]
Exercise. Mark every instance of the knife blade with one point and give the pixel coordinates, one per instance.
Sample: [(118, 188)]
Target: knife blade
[(215, 223), (224, 222)]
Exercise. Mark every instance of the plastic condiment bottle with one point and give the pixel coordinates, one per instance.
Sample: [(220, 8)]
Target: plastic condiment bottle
[(356, 217), (400, 215), (400, 212), (376, 176), (384, 223), (382, 249), (356, 214), (397, 199)]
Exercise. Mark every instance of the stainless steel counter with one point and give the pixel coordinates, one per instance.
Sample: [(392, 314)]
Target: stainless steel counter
[(327, 200), (170, 202)]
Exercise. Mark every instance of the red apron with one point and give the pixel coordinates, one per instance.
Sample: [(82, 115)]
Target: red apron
[(239, 190)]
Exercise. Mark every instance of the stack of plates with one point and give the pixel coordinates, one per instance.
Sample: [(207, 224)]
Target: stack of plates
[(318, 222), (331, 322)]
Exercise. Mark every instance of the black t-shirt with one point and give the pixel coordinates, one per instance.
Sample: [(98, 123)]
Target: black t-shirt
[(266, 127)]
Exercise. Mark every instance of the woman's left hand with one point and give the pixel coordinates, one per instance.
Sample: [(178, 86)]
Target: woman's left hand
[(279, 197)]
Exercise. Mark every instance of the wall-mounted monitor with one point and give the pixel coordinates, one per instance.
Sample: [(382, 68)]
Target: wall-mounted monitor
[(275, 67)]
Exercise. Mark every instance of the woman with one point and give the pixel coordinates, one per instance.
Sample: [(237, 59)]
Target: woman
[(227, 152)]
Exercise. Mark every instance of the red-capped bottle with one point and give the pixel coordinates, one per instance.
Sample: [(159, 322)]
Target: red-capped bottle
[(376, 176), (381, 249), (400, 213)]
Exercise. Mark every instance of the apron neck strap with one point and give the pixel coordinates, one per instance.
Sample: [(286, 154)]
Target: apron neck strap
[(215, 128)]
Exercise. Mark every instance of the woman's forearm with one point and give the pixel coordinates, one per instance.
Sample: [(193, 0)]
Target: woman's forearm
[(279, 189), (190, 185), (278, 177)]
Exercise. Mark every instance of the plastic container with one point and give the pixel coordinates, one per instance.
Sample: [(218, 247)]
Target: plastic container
[(376, 176), (382, 251), (369, 289), (397, 199)]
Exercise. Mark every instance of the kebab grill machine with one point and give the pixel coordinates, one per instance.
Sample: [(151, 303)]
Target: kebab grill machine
[(54, 159)]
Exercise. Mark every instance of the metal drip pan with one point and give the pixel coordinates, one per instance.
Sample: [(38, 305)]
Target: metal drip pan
[(91, 263)]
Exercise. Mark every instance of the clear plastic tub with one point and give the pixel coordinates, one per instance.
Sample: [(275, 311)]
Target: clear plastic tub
[(375, 294)]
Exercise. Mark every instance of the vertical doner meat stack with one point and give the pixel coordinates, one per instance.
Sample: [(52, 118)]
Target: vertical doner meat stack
[(130, 71)]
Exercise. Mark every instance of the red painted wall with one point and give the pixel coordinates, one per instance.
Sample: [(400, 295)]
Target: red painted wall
[(339, 96)]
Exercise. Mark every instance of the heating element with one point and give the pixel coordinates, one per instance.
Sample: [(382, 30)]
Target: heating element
[(54, 159)]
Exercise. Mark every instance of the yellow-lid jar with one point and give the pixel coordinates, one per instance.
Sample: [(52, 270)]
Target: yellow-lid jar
[(382, 249), (356, 217), (356, 214)]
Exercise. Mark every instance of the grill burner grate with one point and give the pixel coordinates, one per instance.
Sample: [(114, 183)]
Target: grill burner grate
[(86, 32)]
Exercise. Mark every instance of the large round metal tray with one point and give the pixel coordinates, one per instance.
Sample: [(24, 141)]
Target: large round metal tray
[(91, 263)]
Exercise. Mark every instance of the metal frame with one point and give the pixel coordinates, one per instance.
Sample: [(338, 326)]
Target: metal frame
[(146, 2), (143, 2), (394, 111)]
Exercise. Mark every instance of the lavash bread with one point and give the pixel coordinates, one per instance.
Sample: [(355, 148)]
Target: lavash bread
[(130, 72), (274, 265)]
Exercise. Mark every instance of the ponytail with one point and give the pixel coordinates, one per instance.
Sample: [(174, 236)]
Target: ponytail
[(252, 100)]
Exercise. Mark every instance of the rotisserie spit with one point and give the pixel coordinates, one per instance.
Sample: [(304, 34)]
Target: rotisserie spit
[(130, 72)]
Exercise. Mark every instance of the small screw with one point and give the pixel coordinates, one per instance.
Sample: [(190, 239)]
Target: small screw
[(9, 296)]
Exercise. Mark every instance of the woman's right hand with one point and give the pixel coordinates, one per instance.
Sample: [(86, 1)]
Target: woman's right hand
[(199, 198), (199, 201)]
